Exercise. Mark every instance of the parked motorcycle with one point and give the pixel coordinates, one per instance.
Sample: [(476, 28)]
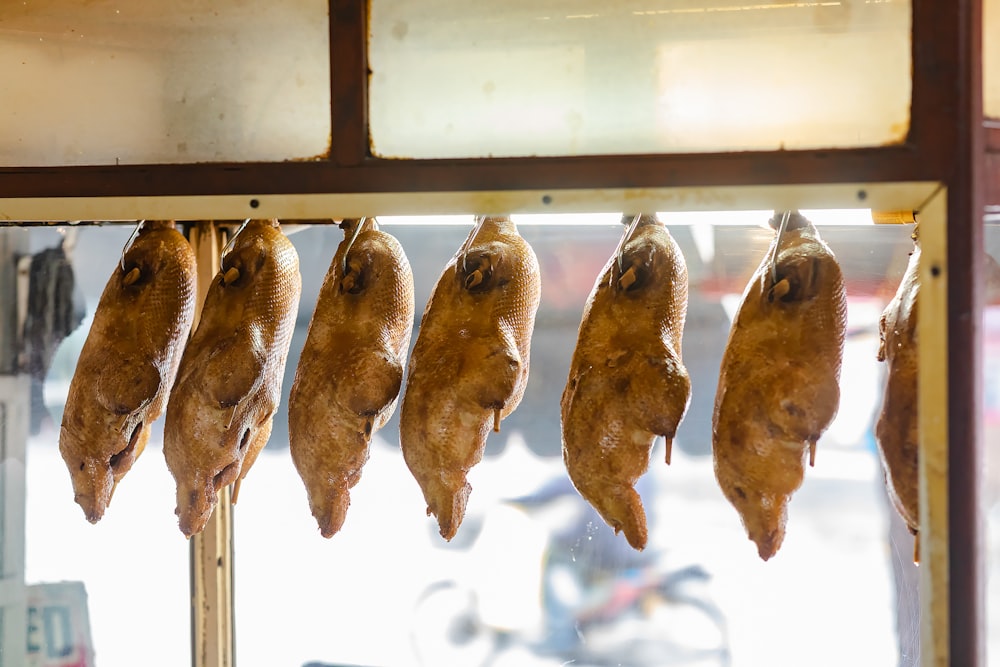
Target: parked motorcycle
[(547, 583)]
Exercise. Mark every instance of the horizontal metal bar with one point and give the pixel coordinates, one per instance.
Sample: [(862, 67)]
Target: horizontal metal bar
[(373, 175), (314, 207)]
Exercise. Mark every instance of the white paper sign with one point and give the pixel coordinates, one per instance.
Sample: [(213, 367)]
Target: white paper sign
[(59, 626)]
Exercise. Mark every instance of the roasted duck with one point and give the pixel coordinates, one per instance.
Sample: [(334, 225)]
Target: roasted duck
[(469, 366), (351, 367), (896, 428), (627, 383), (128, 363), (778, 385), (229, 382)]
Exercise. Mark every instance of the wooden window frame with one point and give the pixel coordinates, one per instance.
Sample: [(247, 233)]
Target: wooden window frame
[(948, 144)]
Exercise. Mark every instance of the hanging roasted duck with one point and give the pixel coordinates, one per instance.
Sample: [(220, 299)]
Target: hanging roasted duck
[(896, 430), (778, 386), (229, 383), (128, 363), (627, 383), (351, 368), (469, 365)]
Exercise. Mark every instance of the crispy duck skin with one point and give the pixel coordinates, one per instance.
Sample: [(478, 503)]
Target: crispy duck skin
[(778, 385), (351, 368), (896, 428), (469, 365), (128, 363), (229, 382), (627, 383)]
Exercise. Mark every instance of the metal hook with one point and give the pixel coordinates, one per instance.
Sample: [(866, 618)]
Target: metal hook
[(480, 220), (777, 243), (128, 244), (232, 239), (620, 250), (350, 243)]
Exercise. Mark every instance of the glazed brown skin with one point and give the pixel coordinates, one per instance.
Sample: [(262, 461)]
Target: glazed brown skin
[(778, 385), (627, 383), (896, 428), (351, 368), (229, 382), (469, 366), (128, 363)]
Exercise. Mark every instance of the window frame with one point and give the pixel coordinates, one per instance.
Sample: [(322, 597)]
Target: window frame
[(948, 144)]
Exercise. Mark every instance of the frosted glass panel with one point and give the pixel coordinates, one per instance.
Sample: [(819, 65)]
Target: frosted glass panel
[(991, 58), (471, 78), (160, 81)]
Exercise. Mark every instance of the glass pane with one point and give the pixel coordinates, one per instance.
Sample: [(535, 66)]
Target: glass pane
[(162, 81), (456, 78), (991, 413), (530, 576), (991, 58), (129, 572)]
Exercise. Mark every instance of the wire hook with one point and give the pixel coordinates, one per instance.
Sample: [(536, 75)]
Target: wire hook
[(480, 220), (350, 244), (232, 239), (620, 250), (128, 244), (777, 243)]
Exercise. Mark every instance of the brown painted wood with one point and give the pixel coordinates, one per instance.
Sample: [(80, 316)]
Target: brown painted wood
[(634, 171), (349, 81), (959, 33)]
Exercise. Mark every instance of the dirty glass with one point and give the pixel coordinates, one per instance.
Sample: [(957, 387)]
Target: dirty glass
[(454, 78), (534, 576), (163, 81)]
